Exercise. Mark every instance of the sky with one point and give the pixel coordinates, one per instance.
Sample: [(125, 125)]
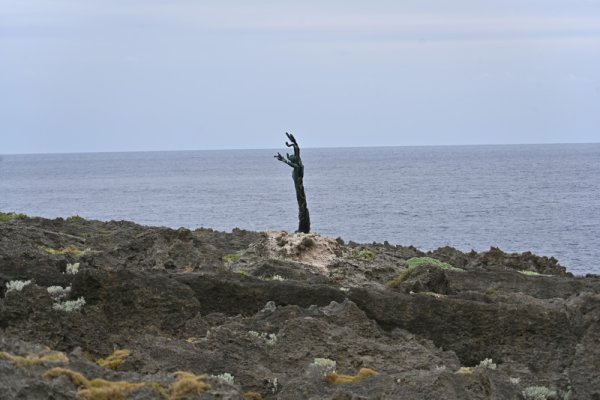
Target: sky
[(118, 75)]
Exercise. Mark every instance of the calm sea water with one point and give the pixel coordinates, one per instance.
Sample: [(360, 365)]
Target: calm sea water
[(543, 198)]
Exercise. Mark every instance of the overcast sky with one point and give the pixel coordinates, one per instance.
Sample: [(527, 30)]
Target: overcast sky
[(117, 75)]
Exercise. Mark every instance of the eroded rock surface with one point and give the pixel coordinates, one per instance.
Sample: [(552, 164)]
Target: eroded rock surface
[(269, 315)]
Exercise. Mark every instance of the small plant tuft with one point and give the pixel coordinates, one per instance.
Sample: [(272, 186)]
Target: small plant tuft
[(58, 292), (366, 254), (72, 269), (487, 363), (323, 366), (114, 360), (187, 383), (538, 393), (70, 305), (269, 338), (229, 259), (16, 286), (394, 283), (226, 377), (337, 379)]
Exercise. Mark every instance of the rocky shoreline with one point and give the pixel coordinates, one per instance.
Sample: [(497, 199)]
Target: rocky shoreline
[(249, 315)]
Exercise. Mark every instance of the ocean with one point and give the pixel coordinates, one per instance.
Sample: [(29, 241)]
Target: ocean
[(539, 198)]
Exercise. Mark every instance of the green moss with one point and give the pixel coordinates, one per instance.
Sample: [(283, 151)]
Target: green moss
[(420, 261), (6, 217), (72, 250), (489, 292), (231, 258), (366, 254), (399, 279), (75, 218), (532, 273)]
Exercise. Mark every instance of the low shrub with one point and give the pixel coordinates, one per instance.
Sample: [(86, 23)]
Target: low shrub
[(75, 218), (11, 216)]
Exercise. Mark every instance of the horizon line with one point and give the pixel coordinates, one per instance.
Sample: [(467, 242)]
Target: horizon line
[(308, 147)]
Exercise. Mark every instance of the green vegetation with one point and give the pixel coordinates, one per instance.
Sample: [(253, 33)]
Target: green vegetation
[(399, 279), (532, 273), (226, 377), (72, 250), (415, 262), (31, 359), (185, 384), (11, 216), (366, 254), (114, 360), (229, 259), (75, 218), (420, 261), (69, 305), (72, 269), (16, 286), (538, 393), (489, 292), (268, 338)]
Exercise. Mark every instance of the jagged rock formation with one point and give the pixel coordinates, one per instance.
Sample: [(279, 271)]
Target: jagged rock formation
[(263, 306)]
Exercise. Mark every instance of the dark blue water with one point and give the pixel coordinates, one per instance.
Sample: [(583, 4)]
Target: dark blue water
[(543, 198)]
